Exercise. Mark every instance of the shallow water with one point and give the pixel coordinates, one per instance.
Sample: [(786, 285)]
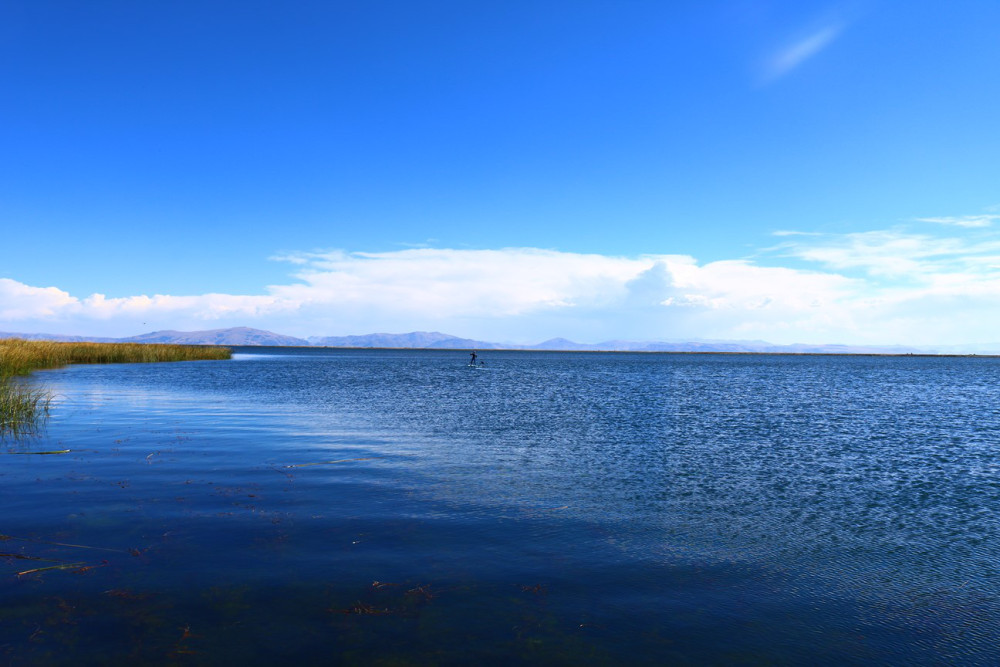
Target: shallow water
[(364, 507)]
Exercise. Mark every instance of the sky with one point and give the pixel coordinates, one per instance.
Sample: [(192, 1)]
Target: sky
[(790, 171)]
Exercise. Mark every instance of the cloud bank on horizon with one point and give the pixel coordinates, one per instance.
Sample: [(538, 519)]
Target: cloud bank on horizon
[(905, 285)]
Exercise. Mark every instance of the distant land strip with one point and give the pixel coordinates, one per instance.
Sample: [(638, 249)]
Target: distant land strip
[(246, 336)]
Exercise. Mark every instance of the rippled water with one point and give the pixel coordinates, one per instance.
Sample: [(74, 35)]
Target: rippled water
[(399, 506)]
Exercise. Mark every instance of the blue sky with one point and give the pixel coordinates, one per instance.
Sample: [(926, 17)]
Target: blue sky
[(787, 171)]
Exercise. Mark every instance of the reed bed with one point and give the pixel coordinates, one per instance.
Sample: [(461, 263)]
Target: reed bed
[(23, 406)]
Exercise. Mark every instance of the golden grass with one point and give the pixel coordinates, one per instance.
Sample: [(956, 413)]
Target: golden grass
[(22, 406), (19, 357)]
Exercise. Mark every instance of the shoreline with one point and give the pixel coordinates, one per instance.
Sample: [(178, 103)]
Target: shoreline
[(239, 349)]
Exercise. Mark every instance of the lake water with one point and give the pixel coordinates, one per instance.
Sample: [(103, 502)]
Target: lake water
[(400, 507)]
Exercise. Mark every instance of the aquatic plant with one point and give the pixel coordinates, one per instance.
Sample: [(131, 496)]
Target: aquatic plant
[(23, 406)]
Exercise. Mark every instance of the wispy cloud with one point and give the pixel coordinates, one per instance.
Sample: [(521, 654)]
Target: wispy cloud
[(793, 55), (915, 287), (970, 221), (791, 232), (899, 255)]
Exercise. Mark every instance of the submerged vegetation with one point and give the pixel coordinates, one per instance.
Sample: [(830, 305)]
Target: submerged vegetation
[(22, 406)]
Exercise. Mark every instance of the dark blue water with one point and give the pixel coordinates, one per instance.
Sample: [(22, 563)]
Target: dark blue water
[(399, 507)]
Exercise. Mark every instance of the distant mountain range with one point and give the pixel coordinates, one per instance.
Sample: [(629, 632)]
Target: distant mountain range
[(238, 336), (234, 336), (416, 339)]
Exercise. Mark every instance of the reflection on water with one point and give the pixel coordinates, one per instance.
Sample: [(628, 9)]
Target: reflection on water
[(367, 506)]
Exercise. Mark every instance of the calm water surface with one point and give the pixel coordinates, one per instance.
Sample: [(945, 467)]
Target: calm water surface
[(360, 507)]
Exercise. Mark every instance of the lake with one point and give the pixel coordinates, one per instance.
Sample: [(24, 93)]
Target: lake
[(400, 507)]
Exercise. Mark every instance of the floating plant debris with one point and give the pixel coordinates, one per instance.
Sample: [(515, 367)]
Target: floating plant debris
[(4, 538), (62, 566), (23, 557), (362, 608), (319, 463)]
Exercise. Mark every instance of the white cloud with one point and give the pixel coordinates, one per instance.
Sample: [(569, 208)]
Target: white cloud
[(649, 296), (43, 309), (449, 283), (204, 307), (20, 302)]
